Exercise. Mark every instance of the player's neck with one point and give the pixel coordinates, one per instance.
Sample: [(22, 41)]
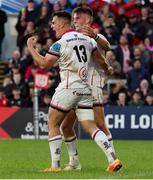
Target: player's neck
[(67, 30)]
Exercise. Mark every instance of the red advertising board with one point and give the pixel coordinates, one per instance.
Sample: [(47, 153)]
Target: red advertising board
[(41, 80)]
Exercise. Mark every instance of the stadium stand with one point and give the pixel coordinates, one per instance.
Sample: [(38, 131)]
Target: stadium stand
[(128, 25)]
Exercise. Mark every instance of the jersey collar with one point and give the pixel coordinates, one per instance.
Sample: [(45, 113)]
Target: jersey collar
[(69, 30)]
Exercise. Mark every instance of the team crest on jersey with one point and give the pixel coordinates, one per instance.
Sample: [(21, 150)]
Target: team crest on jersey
[(83, 73)]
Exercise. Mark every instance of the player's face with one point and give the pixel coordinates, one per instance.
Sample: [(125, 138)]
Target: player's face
[(80, 19), (57, 25)]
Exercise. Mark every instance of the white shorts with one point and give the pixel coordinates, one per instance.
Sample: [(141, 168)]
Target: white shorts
[(97, 94), (79, 99)]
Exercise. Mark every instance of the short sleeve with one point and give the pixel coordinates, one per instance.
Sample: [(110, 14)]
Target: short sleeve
[(94, 45), (102, 37), (55, 49)]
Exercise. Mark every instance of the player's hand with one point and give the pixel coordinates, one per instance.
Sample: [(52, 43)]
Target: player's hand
[(31, 42), (88, 31), (110, 71)]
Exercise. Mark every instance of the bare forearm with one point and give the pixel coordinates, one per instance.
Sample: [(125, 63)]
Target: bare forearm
[(103, 44), (102, 61)]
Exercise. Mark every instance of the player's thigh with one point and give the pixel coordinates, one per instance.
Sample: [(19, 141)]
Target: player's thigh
[(69, 120), (99, 114), (84, 110), (55, 117), (64, 99)]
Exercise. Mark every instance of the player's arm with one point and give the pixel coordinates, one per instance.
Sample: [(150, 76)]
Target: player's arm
[(101, 60), (46, 61), (101, 40)]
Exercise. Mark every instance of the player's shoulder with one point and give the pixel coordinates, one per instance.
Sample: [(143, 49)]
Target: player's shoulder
[(69, 34), (102, 36), (56, 46)]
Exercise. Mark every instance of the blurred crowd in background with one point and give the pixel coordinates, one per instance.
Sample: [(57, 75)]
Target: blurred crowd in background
[(127, 25)]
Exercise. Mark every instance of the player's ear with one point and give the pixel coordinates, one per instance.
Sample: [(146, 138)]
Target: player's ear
[(63, 24), (89, 19)]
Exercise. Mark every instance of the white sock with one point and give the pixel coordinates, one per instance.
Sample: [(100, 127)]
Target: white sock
[(109, 137), (55, 150), (102, 141), (72, 150)]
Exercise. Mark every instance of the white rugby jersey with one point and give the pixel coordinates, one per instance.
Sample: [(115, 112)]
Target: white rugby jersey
[(96, 73), (74, 50)]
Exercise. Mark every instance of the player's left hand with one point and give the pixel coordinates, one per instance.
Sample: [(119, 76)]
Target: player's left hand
[(31, 42), (87, 30), (110, 71)]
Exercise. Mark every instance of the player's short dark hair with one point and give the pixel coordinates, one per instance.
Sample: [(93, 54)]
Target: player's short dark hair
[(63, 14), (84, 10)]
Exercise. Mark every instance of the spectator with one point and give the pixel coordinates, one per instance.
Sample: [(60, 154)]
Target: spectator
[(3, 20), (149, 99), (26, 60), (149, 27), (65, 5), (57, 6), (118, 87), (132, 7), (30, 29), (19, 82), (96, 28), (15, 70), (3, 99), (47, 4), (16, 100), (124, 55), (121, 20), (136, 75), (110, 32), (43, 18), (116, 7), (14, 60), (144, 14), (27, 14), (136, 29), (30, 98), (145, 56), (148, 44), (144, 88), (106, 100), (47, 45), (45, 100), (110, 56), (45, 34), (7, 85), (95, 5), (121, 100), (136, 99)]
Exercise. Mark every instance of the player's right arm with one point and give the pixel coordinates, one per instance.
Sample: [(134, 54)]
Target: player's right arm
[(46, 61)]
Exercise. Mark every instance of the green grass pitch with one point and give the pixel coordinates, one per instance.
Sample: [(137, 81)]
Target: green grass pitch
[(23, 159)]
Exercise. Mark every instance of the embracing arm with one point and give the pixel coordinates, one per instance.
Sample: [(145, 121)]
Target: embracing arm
[(46, 61), (102, 42)]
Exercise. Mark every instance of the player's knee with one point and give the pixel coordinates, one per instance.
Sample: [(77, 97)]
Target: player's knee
[(101, 124), (66, 130), (88, 126)]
